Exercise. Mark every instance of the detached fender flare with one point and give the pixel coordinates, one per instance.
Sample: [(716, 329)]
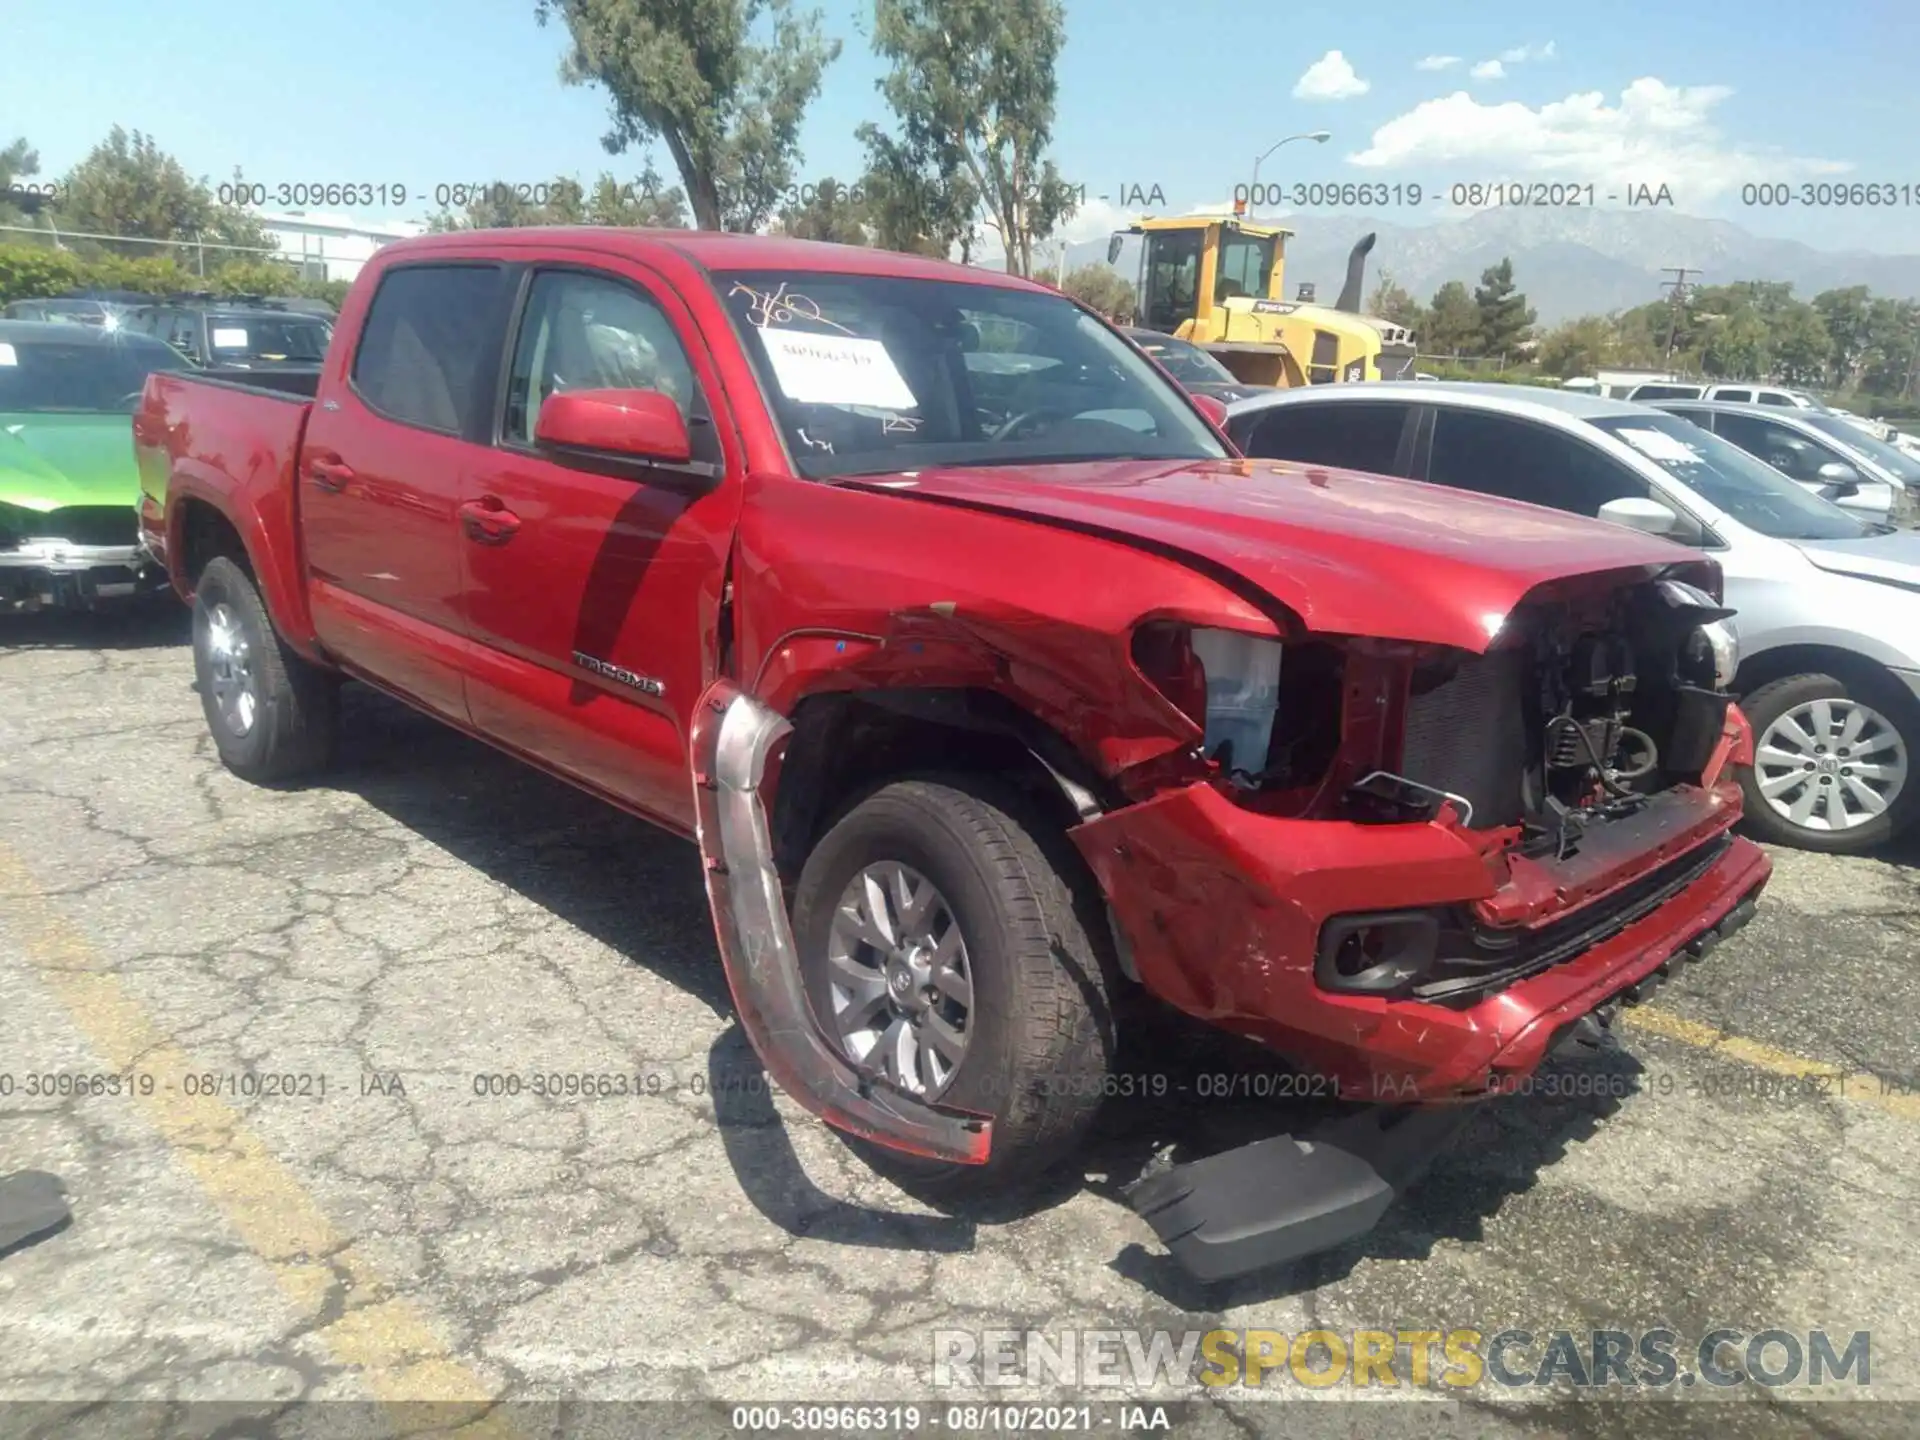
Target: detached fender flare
[(731, 738)]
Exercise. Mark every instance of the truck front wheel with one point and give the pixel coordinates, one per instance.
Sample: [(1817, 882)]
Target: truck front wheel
[(941, 944), (272, 713)]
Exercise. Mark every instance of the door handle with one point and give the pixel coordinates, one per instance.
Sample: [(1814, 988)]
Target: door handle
[(487, 521), (330, 475)]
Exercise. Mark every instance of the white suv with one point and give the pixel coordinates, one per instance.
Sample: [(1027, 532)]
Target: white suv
[(1744, 393)]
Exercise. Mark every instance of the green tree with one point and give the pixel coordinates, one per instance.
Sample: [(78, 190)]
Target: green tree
[(1801, 345), (691, 74), (1735, 345), (1505, 318), (920, 198), (1845, 313), (1577, 347), (19, 162), (828, 211), (1392, 301), (642, 202), (1453, 322), (1101, 288), (972, 83), (1893, 347), (127, 185)]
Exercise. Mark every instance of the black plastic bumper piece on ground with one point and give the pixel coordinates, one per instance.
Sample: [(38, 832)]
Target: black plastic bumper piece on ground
[(1290, 1196)]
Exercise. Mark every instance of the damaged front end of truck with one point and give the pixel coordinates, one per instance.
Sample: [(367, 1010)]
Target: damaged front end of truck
[(1416, 864)]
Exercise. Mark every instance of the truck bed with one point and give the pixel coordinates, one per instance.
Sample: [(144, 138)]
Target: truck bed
[(231, 443)]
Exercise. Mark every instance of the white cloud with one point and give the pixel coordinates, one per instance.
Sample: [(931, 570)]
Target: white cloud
[(1436, 62), (1521, 54), (1330, 78), (1094, 220), (1657, 134), (1488, 70)]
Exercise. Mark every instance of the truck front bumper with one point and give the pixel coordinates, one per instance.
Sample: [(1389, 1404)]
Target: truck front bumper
[(55, 574), (1225, 913)]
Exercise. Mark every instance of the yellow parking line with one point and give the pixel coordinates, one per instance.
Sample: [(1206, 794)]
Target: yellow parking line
[(397, 1349), (1865, 1088)]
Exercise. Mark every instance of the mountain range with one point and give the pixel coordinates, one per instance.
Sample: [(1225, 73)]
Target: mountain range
[(1568, 262)]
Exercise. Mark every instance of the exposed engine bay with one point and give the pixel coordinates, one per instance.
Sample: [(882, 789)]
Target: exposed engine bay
[(1580, 712)]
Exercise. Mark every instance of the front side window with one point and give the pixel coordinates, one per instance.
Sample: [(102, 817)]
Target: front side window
[(1520, 460), (425, 347), (869, 374), (1787, 451), (591, 332), (1852, 438), (1172, 294), (1733, 481)]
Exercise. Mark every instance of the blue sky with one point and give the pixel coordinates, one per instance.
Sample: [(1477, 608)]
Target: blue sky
[(1182, 95)]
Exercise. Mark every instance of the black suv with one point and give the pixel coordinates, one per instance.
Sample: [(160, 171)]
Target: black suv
[(236, 332)]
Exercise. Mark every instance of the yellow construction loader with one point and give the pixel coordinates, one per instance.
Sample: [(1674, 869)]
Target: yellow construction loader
[(1216, 281)]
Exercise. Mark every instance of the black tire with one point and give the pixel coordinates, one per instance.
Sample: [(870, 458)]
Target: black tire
[(1885, 696), (1042, 1038), (296, 704)]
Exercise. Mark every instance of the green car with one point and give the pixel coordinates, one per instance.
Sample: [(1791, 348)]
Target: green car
[(69, 489)]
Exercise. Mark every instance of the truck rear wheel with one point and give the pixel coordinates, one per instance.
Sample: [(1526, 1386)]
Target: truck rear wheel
[(941, 942), (272, 713)]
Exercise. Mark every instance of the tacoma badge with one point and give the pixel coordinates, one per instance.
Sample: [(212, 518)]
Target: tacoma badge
[(615, 672)]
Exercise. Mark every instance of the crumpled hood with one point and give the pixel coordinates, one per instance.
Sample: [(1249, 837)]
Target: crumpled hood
[(1893, 558), (1348, 553), (48, 462)]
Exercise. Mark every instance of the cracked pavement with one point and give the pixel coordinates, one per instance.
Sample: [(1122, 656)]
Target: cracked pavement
[(343, 1184)]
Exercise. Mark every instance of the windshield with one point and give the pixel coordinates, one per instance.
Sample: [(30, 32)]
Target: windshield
[(1188, 364), (1886, 456), (270, 339), (42, 375), (870, 374), (1731, 480)]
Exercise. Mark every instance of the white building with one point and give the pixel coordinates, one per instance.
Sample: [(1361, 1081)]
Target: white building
[(331, 247)]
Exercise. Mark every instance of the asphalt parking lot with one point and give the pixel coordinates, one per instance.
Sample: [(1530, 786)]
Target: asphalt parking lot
[(330, 1192)]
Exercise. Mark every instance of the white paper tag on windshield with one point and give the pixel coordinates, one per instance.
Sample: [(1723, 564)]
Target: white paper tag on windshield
[(1658, 445), (229, 339), (836, 370), (7, 357)]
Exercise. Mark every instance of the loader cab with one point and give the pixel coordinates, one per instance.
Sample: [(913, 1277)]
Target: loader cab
[(1190, 266), (1219, 282)]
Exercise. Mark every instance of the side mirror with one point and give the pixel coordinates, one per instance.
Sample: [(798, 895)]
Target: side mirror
[(1649, 516), (1114, 242), (1838, 480), (1213, 407), (638, 424)]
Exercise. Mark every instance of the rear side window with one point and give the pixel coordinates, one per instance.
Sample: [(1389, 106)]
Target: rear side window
[(429, 345), (1351, 435), (1518, 460), (1739, 396), (1774, 397)]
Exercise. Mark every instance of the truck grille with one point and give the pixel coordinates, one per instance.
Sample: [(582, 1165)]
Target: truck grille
[(1467, 736)]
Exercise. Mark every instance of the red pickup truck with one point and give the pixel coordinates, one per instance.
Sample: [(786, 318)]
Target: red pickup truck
[(1000, 695)]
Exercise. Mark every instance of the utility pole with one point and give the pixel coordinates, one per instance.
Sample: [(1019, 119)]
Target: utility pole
[(1679, 284)]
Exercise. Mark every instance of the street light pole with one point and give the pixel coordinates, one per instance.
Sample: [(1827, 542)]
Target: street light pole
[(1319, 137)]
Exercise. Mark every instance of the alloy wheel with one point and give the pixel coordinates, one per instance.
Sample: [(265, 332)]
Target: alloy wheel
[(900, 978), (1830, 764), (236, 688)]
